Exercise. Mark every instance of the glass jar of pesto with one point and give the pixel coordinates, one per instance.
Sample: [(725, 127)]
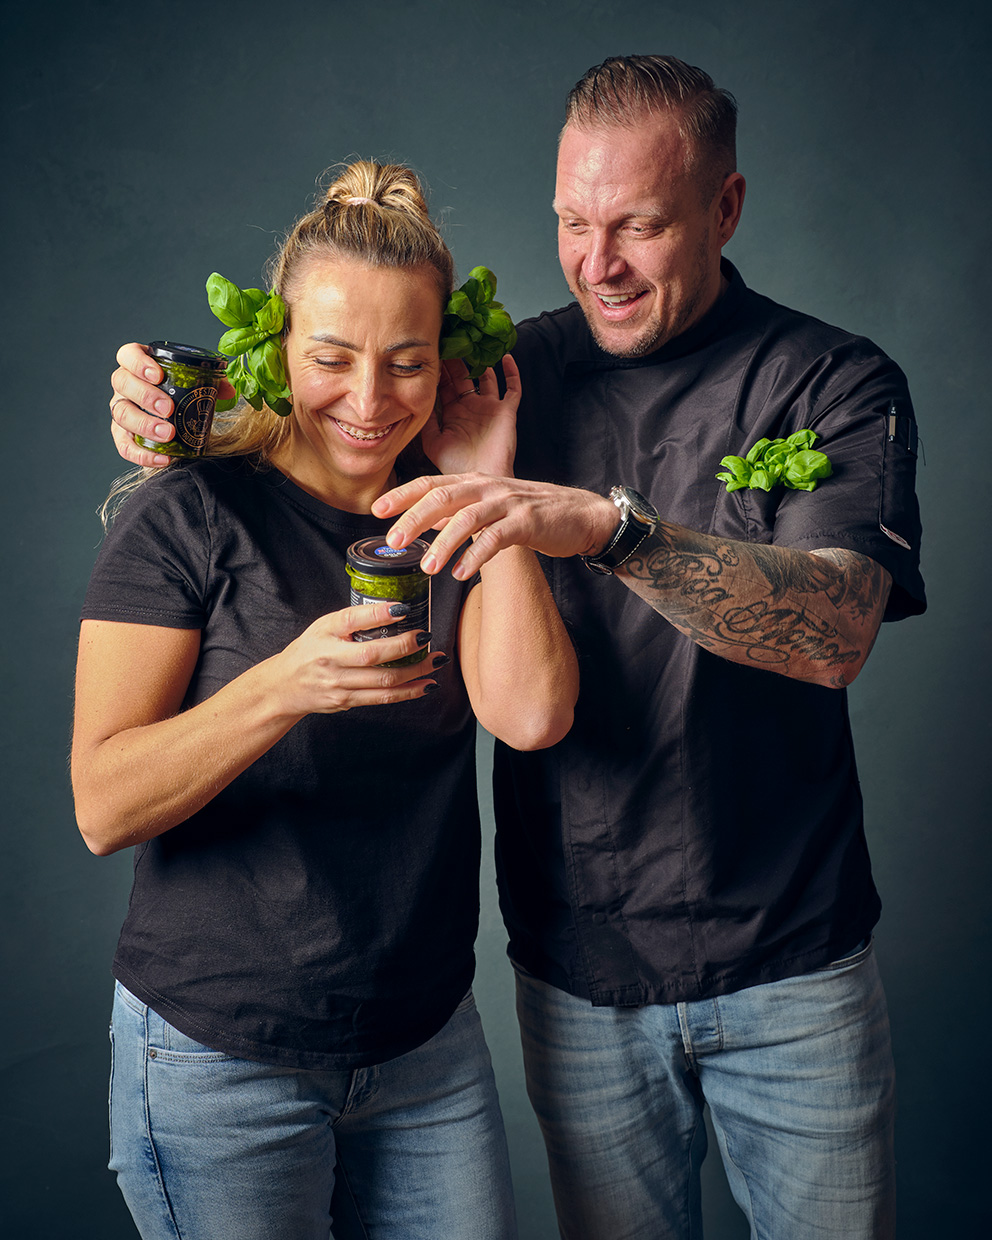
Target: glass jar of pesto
[(192, 377), (378, 572)]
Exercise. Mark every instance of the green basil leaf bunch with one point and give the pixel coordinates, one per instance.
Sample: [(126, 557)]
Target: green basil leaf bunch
[(255, 321), (790, 462), (475, 327)]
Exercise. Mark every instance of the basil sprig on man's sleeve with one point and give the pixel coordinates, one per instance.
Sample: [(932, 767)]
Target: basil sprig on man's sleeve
[(255, 319), (475, 327), (790, 462)]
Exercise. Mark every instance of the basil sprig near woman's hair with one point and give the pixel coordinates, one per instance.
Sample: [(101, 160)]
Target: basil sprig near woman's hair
[(257, 368), (791, 462), (476, 328)]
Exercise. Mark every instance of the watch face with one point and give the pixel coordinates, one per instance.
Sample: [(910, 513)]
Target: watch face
[(639, 508)]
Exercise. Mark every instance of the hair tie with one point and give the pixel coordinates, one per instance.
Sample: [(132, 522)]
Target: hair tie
[(352, 201)]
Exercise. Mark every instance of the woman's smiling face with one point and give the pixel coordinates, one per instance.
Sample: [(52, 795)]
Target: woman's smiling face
[(362, 357)]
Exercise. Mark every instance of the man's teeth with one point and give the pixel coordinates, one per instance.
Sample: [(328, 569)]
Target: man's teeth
[(617, 299), (355, 433)]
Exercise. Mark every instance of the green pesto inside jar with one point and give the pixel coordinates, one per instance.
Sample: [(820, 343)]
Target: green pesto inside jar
[(192, 377), (377, 572)]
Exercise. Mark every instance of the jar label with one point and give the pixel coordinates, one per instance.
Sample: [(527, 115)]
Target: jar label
[(193, 416), (416, 618)]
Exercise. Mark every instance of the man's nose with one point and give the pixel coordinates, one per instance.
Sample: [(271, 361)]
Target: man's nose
[(603, 260)]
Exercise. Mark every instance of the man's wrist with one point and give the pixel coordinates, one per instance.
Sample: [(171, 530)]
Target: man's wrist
[(636, 522), (606, 520)]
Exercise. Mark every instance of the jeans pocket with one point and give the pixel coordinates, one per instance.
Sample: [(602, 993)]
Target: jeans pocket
[(855, 956)]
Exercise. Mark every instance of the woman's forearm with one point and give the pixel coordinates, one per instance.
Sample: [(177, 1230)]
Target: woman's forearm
[(517, 660), (141, 780)]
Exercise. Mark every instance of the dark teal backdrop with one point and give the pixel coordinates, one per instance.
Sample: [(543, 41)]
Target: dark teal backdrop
[(150, 145)]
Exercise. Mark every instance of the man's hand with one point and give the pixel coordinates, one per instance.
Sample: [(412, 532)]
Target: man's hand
[(496, 513), (138, 407)]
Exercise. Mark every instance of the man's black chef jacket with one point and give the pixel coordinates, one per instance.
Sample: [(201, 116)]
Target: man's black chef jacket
[(700, 828)]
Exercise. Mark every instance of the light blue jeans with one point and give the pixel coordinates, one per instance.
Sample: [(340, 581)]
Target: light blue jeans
[(209, 1147), (799, 1079)]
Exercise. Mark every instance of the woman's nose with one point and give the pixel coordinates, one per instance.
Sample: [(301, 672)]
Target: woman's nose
[(367, 396)]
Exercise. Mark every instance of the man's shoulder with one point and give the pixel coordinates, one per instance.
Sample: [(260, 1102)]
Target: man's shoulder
[(800, 333), (558, 335)]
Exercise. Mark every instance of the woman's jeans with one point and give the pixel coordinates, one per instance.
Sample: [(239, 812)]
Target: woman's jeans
[(209, 1147), (798, 1077)]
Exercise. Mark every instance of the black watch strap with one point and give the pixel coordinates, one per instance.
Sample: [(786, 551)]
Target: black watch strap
[(637, 522)]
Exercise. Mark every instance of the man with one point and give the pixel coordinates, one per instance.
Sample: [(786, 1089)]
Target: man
[(685, 878)]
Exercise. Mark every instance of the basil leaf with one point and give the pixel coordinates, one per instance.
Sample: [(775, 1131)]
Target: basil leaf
[(234, 307), (460, 304), (757, 452), (240, 340), (486, 282), (271, 316)]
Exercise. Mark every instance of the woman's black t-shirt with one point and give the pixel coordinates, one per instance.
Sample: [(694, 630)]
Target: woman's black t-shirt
[(321, 910)]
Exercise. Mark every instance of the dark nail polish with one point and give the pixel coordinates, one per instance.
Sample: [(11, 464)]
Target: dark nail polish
[(430, 687), (423, 638), (399, 609), (440, 660)]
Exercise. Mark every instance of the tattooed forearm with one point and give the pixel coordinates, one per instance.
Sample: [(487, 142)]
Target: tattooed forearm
[(810, 616)]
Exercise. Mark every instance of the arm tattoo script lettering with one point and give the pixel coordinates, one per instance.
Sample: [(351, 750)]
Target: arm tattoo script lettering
[(812, 616)]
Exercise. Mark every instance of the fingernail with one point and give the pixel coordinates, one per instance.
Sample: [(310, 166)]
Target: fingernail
[(430, 687), (423, 638), (440, 660), (162, 432), (162, 406), (151, 373), (428, 563), (399, 609)]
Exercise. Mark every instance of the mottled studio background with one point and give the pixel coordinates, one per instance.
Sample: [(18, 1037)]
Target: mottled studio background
[(151, 144)]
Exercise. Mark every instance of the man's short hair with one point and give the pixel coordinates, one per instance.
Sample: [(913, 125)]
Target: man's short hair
[(623, 89)]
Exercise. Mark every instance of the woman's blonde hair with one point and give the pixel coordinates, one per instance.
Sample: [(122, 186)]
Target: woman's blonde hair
[(372, 213)]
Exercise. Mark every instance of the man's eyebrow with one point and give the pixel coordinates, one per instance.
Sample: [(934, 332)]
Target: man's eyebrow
[(326, 338), (646, 213)]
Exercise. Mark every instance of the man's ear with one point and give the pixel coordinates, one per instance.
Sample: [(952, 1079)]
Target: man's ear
[(729, 206)]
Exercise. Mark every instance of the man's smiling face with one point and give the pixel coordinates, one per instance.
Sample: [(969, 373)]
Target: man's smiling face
[(638, 239)]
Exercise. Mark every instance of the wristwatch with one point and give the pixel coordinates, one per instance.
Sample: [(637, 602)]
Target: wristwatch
[(638, 520)]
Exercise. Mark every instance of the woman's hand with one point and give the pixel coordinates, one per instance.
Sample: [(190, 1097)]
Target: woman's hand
[(478, 429), (325, 671), (138, 407)]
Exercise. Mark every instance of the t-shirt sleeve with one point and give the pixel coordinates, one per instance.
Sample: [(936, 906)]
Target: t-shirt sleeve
[(152, 567), (866, 425)]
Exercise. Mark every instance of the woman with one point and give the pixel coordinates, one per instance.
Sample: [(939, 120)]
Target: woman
[(292, 1017)]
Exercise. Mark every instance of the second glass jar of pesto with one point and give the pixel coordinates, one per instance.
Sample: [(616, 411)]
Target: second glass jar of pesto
[(378, 572), (192, 377)]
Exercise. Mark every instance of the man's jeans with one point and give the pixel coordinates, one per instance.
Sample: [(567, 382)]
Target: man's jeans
[(209, 1147), (799, 1080)]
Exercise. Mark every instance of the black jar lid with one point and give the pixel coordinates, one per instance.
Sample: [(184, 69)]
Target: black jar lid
[(186, 355), (375, 558)]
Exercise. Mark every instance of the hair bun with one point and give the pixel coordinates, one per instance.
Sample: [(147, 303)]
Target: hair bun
[(366, 183)]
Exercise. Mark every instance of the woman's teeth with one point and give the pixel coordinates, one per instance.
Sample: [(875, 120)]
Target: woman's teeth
[(355, 433)]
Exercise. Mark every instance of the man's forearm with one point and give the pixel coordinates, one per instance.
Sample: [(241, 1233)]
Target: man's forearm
[(811, 616)]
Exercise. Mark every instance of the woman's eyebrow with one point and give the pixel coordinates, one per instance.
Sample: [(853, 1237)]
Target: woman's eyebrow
[(326, 338)]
